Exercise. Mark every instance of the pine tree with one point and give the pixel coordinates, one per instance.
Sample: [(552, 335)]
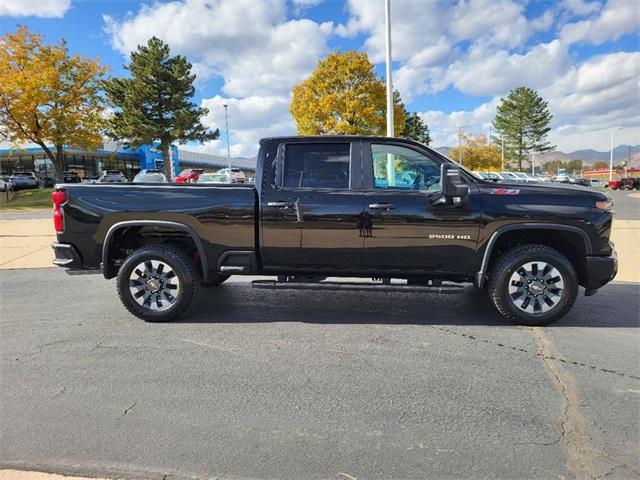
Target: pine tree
[(522, 120), (154, 104), (416, 129)]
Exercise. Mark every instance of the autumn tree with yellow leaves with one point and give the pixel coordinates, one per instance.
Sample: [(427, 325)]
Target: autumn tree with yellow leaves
[(48, 97), (343, 96), (475, 153)]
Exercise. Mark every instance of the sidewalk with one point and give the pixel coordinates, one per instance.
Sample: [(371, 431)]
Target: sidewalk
[(25, 243), (25, 475)]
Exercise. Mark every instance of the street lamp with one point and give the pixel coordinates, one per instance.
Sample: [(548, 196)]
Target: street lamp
[(387, 25), (226, 122), (502, 155), (611, 153), (460, 129), (533, 163)]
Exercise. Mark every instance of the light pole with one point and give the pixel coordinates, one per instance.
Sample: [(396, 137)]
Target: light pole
[(460, 128), (611, 154), (533, 163), (502, 155), (391, 161), (226, 122), (387, 26)]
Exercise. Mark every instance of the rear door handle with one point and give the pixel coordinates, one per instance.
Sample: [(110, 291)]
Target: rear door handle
[(278, 204), (381, 206)]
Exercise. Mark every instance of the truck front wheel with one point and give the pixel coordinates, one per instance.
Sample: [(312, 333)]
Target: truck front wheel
[(533, 285), (157, 283)]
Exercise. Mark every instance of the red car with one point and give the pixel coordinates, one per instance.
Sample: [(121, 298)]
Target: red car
[(189, 175), (615, 184)]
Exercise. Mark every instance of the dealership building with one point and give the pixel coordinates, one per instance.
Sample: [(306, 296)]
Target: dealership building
[(91, 164)]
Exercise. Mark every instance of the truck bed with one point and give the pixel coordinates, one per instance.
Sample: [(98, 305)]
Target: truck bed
[(222, 216)]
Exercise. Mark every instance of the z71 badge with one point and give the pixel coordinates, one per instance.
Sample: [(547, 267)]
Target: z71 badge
[(505, 191)]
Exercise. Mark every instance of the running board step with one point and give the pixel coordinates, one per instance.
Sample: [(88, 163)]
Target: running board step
[(357, 287)]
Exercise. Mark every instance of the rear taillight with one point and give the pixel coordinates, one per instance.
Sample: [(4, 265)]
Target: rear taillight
[(59, 198)]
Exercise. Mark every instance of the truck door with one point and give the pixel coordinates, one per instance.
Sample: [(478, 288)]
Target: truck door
[(310, 215), (408, 232)]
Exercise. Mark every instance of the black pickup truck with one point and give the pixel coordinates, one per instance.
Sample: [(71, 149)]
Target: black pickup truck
[(390, 210)]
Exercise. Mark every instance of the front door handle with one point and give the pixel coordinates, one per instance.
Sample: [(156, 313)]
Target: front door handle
[(278, 204), (381, 206)]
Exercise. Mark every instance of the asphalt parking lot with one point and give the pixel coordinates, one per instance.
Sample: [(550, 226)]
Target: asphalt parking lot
[(297, 385)]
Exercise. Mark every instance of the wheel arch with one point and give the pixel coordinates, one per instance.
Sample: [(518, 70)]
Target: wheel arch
[(110, 271), (572, 241)]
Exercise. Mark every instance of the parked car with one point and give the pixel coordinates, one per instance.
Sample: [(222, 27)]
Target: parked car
[(71, 177), (595, 183), (214, 177), (327, 213), (24, 181), (112, 176), (585, 182), (189, 175), (150, 176), (630, 183), (526, 177), (6, 183), (511, 177), (90, 180), (615, 184), (237, 175), (563, 178)]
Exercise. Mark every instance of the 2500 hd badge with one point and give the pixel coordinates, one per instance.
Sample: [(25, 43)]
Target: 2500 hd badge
[(436, 236)]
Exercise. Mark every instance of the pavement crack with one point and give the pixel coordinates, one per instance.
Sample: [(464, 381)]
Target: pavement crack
[(544, 356), (129, 408), (584, 459)]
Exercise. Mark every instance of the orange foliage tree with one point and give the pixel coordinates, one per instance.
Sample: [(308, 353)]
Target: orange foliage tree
[(48, 97), (343, 96)]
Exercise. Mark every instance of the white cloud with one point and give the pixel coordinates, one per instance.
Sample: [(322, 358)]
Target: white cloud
[(586, 101), (619, 17), (258, 53), (492, 72), (249, 43), (250, 119), (35, 8), (580, 7)]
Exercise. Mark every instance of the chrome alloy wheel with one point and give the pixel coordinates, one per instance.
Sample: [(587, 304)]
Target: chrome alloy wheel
[(154, 285), (536, 287)]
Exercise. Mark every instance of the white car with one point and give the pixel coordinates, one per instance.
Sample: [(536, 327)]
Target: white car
[(236, 175), (598, 183), (6, 184), (214, 177), (150, 176)]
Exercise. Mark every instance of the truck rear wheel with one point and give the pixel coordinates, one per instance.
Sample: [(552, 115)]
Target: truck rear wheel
[(157, 283), (533, 285)]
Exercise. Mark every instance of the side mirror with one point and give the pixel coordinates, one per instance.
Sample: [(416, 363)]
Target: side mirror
[(452, 184)]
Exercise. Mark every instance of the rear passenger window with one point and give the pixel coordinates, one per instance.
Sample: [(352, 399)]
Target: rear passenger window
[(316, 165)]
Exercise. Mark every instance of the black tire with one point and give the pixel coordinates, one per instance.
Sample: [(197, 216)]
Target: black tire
[(183, 283), (512, 265), (214, 280)]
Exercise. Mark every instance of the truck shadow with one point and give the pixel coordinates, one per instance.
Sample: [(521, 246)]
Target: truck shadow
[(617, 305)]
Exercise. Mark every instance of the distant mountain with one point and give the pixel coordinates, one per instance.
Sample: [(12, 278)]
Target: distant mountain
[(622, 153)]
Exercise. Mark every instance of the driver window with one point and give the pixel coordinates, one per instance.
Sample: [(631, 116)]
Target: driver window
[(403, 168)]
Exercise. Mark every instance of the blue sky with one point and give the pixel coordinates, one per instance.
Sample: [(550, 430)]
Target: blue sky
[(453, 59)]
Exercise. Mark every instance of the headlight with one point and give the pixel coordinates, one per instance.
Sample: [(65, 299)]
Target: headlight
[(605, 205)]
